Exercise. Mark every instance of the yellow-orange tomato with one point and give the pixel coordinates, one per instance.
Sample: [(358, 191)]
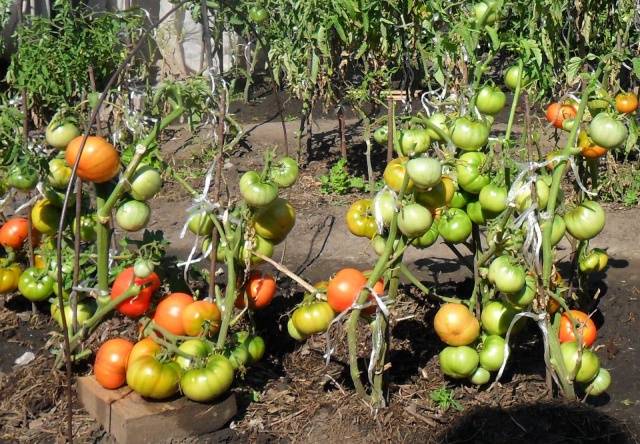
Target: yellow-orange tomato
[(344, 288), (626, 102), (201, 318), (589, 149), (260, 290), (99, 162), (456, 325), (585, 326), (144, 347), (111, 363), (169, 312)]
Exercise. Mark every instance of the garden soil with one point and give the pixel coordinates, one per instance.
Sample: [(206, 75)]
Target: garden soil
[(294, 395)]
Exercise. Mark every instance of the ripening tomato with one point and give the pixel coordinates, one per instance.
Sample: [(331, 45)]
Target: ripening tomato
[(260, 290), (626, 102), (344, 288), (361, 220), (584, 325), (394, 175), (111, 363), (589, 149), (209, 382), (275, 221), (45, 217), (169, 312), (9, 278), (153, 379), (256, 191), (557, 113), (144, 347), (438, 196), (99, 162), (456, 325), (14, 232), (312, 318), (201, 318)]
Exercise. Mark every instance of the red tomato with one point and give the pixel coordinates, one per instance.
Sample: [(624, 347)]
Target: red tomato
[(344, 288), (111, 363), (586, 327), (201, 318), (557, 113), (260, 290), (138, 305), (169, 312), (14, 232)]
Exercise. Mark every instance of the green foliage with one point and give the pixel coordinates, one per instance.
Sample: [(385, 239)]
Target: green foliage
[(340, 182), (54, 55), (10, 131), (443, 398), (621, 186)]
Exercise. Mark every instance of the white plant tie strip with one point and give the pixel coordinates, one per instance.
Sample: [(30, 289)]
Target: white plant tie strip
[(377, 211), (381, 305), (574, 168), (377, 339), (540, 320)]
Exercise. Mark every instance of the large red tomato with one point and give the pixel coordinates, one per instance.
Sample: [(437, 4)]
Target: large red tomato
[(136, 306), (111, 362), (14, 232), (99, 161), (260, 290), (344, 288)]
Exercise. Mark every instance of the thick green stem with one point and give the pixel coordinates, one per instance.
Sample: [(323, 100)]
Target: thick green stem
[(102, 245), (404, 270), (230, 290)]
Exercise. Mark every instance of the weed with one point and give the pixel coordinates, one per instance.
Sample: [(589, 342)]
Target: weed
[(443, 398), (340, 182)]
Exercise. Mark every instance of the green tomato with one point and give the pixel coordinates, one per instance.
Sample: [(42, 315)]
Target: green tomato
[(85, 310), (492, 353), (427, 239), (133, 215), (413, 142), (88, 227), (262, 246), (480, 376), (595, 260), (600, 384), (239, 357), (458, 362), (481, 8), (256, 348), (589, 364), (425, 172), (460, 199), (496, 317), (507, 276), (523, 198), (490, 100), (607, 131), (454, 225), (526, 295), (586, 220), (293, 332), (512, 75), (468, 169), (309, 319), (275, 221), (381, 135), (477, 215), (598, 101), (35, 284), (195, 348), (23, 178), (493, 198), (207, 383), (414, 220), (258, 14), (59, 173), (285, 172), (60, 132), (557, 230), (142, 268), (439, 120), (255, 191), (469, 135), (153, 379), (201, 223), (145, 183)]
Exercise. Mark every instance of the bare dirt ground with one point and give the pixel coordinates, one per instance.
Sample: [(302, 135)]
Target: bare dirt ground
[(292, 396)]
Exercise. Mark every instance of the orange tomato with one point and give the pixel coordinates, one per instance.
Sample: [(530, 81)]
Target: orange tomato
[(201, 318), (99, 162), (260, 290), (112, 358), (585, 326), (557, 113), (169, 312), (456, 325), (626, 102), (14, 232), (344, 288), (588, 148), (144, 347)]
